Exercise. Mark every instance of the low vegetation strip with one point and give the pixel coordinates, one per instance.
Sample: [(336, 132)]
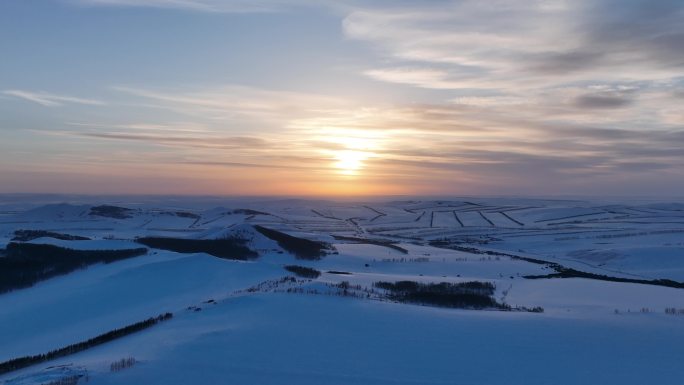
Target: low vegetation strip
[(561, 271), (226, 248), (511, 218), (108, 211), (465, 295), (29, 235), (300, 247), (377, 242), (23, 362), (565, 272), (303, 271), (458, 219), (567, 217), (25, 264), (486, 219)]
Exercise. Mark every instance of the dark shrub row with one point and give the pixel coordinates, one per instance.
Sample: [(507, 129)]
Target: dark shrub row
[(25, 264), (226, 248), (300, 247), (29, 235), (249, 212), (22, 362), (302, 271), (565, 272), (377, 242), (561, 271), (107, 211), (469, 295), (185, 214)]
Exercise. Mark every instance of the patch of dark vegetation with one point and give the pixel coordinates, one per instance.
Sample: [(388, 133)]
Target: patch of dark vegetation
[(565, 272), (303, 271), (122, 364), (567, 217), (377, 242), (300, 247), (25, 264), (226, 248), (29, 235), (339, 272), (69, 380), (561, 271), (447, 244), (463, 295), (185, 214), (486, 219), (375, 211), (458, 219), (107, 211), (23, 362), (511, 218), (320, 214), (249, 212)]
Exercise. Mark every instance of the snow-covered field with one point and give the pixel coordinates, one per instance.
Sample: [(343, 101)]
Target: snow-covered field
[(311, 331)]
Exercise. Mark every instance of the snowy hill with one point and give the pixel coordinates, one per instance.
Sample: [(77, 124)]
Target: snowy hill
[(607, 277)]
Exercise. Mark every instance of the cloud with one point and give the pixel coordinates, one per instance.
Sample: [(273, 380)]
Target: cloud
[(241, 143), (516, 140), (234, 102), (50, 100), (220, 6), (424, 77), (510, 44), (490, 101), (602, 101)]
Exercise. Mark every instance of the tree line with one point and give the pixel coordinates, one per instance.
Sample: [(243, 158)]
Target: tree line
[(300, 247), (226, 248), (22, 362), (468, 295), (25, 264), (29, 235), (303, 271)]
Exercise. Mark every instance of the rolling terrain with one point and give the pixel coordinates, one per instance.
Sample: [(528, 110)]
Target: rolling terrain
[(473, 291)]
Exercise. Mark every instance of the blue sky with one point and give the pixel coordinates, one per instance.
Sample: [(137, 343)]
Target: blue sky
[(273, 97)]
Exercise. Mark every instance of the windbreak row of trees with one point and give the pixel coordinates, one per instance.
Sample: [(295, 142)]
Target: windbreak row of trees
[(226, 248), (22, 362), (29, 235), (300, 247), (561, 271), (468, 295), (303, 271), (566, 272), (25, 264), (370, 241), (108, 211)]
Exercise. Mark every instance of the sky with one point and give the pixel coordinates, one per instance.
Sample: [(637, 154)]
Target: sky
[(342, 98)]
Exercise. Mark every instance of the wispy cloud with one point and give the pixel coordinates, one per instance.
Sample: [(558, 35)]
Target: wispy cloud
[(50, 100), (235, 102), (524, 45), (222, 6), (420, 77), (516, 141)]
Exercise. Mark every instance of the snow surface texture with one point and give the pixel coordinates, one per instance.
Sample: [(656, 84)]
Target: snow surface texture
[(308, 332)]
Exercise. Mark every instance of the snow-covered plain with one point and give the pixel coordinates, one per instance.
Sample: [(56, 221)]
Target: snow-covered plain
[(591, 331)]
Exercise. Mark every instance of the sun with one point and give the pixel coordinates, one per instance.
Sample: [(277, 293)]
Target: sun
[(348, 150), (350, 162)]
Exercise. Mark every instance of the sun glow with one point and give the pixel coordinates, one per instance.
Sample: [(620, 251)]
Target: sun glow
[(351, 149), (350, 162), (347, 148)]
